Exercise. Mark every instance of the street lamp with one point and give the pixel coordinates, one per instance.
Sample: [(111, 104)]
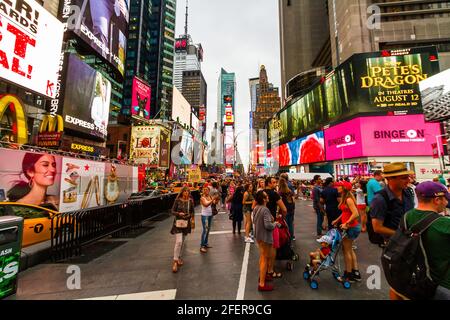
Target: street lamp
[(439, 152)]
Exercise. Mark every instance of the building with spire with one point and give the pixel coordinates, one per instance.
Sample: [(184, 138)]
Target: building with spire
[(267, 101)]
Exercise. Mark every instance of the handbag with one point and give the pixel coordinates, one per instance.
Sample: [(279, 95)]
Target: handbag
[(181, 223), (276, 238), (215, 212)]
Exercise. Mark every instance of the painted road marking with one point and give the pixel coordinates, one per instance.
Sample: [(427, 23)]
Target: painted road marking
[(221, 232), (151, 295), (243, 279)]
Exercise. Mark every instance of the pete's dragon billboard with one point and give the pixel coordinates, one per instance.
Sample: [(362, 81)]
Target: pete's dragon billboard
[(381, 136)]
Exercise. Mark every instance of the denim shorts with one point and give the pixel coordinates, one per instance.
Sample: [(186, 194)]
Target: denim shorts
[(353, 233)]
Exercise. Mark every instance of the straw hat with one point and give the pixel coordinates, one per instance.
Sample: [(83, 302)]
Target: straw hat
[(396, 169)]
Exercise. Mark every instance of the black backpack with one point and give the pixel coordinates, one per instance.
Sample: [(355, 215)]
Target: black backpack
[(405, 262), (374, 237)]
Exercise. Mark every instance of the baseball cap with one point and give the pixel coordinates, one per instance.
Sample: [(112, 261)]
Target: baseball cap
[(430, 189), (345, 184), (325, 238)]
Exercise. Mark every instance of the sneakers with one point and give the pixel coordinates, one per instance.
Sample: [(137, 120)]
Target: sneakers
[(348, 277), (356, 275), (293, 238), (249, 240), (266, 287)]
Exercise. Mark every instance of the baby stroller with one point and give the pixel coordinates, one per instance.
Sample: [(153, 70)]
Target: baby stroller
[(285, 251), (331, 262)]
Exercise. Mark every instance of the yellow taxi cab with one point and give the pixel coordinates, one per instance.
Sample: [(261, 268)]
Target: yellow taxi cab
[(37, 221)]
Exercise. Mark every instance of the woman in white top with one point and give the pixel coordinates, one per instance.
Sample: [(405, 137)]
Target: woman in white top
[(361, 204), (206, 201)]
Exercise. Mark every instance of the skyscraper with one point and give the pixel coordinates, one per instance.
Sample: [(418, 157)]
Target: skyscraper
[(304, 34), (374, 25), (225, 117), (268, 102), (188, 57), (150, 53), (195, 92)]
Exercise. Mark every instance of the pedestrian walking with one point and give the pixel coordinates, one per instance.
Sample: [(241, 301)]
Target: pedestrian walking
[(206, 202), (247, 202), (183, 210), (317, 204), (348, 221), (264, 225), (237, 208), (273, 205), (329, 199), (287, 196)]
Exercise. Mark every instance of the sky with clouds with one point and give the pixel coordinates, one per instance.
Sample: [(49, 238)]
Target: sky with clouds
[(239, 36)]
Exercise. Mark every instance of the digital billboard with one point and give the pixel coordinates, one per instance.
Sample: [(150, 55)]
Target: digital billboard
[(30, 46), (406, 135), (87, 99), (141, 95), (103, 24), (435, 93), (307, 150), (181, 44), (377, 83)]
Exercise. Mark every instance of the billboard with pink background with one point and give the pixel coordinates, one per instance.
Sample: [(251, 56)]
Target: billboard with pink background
[(140, 99), (381, 136)]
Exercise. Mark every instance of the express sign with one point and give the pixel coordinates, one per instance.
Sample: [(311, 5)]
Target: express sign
[(30, 46)]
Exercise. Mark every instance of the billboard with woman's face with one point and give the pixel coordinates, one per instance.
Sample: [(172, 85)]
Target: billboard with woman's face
[(87, 99), (30, 177)]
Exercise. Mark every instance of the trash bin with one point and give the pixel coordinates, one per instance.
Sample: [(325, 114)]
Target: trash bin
[(11, 229)]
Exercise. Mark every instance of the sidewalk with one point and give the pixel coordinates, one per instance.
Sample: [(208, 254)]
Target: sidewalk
[(120, 268)]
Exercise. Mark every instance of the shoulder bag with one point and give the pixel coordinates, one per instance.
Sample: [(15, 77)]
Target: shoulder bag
[(182, 223)]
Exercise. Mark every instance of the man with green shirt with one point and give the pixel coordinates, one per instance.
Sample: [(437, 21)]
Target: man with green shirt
[(433, 198)]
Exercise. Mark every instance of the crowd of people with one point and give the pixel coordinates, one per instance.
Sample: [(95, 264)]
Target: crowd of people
[(375, 206)]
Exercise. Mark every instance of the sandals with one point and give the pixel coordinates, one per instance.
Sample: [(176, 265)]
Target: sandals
[(275, 275), (175, 266), (180, 262)]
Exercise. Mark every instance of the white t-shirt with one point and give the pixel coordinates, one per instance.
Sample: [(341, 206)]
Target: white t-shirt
[(360, 199), (207, 211)]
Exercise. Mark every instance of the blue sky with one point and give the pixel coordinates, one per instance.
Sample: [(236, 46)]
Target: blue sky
[(239, 36)]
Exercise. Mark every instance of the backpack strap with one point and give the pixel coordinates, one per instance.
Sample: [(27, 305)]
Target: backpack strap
[(421, 226)]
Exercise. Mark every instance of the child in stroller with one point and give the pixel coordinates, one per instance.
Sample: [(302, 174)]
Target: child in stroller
[(285, 250), (324, 259), (320, 254)]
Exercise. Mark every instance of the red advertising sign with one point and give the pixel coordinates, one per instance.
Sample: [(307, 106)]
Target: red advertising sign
[(30, 46), (140, 100)]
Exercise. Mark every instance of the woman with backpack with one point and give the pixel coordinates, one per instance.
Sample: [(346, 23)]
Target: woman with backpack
[(348, 222)]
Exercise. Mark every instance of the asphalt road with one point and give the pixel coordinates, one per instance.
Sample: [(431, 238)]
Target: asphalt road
[(139, 267)]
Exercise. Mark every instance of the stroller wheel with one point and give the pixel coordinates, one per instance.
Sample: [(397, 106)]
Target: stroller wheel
[(306, 275), (346, 285), (314, 284)]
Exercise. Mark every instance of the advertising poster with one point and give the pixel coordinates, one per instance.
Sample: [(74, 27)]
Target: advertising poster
[(87, 99), (389, 80), (82, 183), (31, 178), (30, 46), (375, 83), (435, 93), (103, 24), (120, 182), (140, 99), (399, 136), (145, 142), (164, 148), (187, 148), (344, 141)]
